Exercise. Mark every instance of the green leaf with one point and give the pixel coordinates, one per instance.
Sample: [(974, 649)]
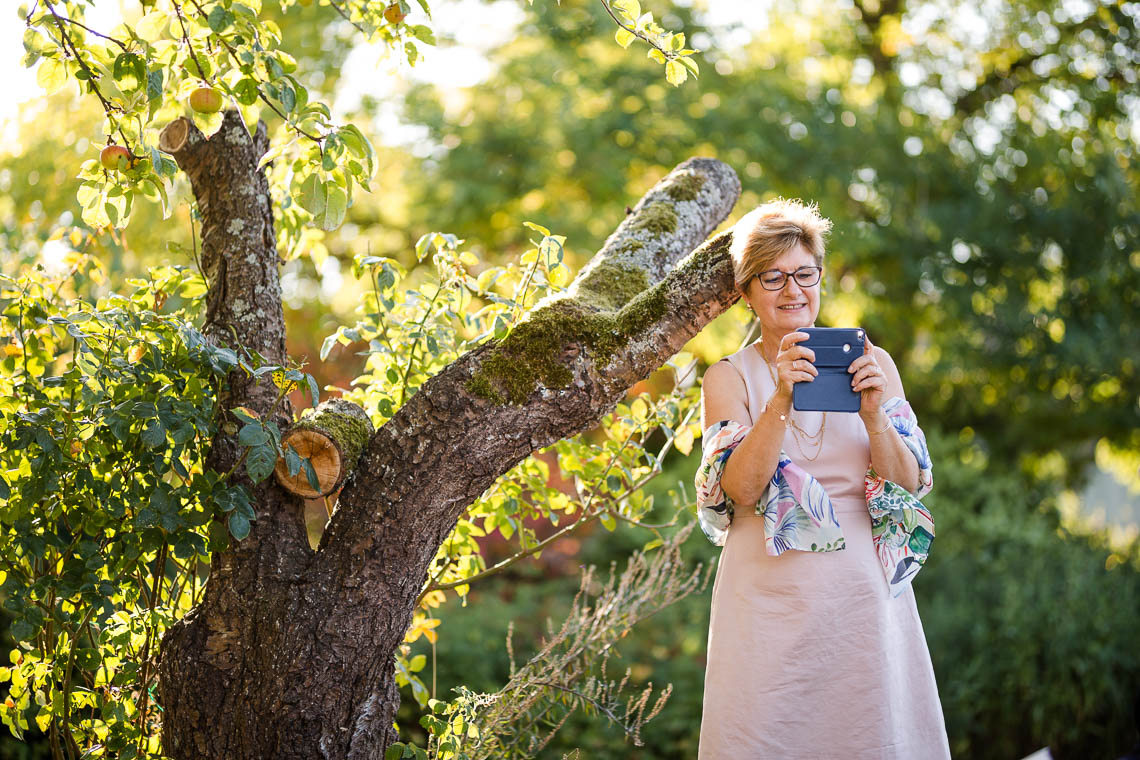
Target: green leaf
[(423, 34), (239, 526), (675, 73), (336, 205), (233, 498), (690, 64), (314, 393), (246, 91), (253, 434), (607, 520), (313, 195), (220, 18), (153, 435), (311, 475), (259, 462), (394, 752), (245, 414)]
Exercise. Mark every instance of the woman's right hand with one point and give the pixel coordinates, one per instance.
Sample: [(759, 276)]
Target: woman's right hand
[(793, 365)]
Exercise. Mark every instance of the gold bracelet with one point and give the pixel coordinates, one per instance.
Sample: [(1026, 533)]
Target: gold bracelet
[(885, 429), (783, 417)]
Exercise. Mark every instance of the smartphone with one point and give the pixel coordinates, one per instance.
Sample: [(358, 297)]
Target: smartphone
[(835, 348)]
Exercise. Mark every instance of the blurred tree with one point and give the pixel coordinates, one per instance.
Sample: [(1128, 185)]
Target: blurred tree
[(981, 172)]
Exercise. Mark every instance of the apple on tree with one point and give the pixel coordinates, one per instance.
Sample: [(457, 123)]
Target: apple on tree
[(394, 13), (206, 100), (115, 157)]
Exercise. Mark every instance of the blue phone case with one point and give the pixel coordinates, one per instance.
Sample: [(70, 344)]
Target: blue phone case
[(835, 348)]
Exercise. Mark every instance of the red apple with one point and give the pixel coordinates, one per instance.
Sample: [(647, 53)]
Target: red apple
[(206, 100), (115, 157), (394, 14)]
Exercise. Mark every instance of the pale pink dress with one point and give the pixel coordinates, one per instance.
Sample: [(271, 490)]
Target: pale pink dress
[(808, 654)]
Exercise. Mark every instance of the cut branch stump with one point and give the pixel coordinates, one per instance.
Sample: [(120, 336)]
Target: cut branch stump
[(332, 438)]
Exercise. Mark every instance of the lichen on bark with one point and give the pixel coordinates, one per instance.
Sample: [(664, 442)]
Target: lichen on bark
[(657, 219), (534, 351), (685, 186)]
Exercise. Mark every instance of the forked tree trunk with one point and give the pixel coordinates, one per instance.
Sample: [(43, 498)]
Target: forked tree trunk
[(290, 654)]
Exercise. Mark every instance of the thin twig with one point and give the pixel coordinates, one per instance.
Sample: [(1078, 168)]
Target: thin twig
[(345, 16), (69, 44), (668, 54)]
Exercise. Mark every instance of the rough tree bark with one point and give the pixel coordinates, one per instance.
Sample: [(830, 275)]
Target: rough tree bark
[(290, 654)]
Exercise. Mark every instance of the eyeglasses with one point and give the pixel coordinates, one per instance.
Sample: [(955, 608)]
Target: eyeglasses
[(775, 279)]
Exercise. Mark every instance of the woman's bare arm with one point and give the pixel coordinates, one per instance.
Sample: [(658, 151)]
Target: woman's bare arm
[(750, 468)]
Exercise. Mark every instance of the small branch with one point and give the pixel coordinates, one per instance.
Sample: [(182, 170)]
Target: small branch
[(233, 54), (69, 44), (601, 708), (92, 31), (412, 353), (581, 522), (336, 7), (669, 55), (186, 38)]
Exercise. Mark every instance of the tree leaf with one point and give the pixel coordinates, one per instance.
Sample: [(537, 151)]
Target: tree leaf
[(239, 526), (52, 75), (630, 9), (624, 37), (675, 73), (313, 195), (253, 434), (259, 462), (336, 205), (153, 435)]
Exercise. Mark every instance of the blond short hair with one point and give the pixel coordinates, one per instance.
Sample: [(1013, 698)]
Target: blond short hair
[(769, 231)]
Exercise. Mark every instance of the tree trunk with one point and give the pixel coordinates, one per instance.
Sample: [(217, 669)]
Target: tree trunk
[(290, 654)]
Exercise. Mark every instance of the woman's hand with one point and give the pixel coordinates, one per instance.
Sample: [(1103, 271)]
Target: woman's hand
[(793, 364), (869, 380)]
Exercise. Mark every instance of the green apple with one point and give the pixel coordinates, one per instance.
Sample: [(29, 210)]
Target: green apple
[(206, 100)]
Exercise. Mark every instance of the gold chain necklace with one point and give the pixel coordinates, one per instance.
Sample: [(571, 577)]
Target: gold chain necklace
[(812, 439)]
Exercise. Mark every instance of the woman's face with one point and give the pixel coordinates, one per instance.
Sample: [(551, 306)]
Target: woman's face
[(792, 307)]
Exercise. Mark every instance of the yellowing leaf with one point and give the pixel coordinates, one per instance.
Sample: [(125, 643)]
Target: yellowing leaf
[(52, 75), (675, 73), (631, 9), (624, 37), (683, 440), (151, 26), (136, 353)]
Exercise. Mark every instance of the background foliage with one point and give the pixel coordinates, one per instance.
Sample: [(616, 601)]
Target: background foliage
[(979, 163)]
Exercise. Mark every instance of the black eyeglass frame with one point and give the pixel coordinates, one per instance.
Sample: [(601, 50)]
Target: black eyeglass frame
[(785, 275)]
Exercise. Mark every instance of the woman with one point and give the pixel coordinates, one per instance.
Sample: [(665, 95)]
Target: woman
[(815, 646)]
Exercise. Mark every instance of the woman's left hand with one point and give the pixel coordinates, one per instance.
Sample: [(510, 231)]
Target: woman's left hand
[(870, 380)]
